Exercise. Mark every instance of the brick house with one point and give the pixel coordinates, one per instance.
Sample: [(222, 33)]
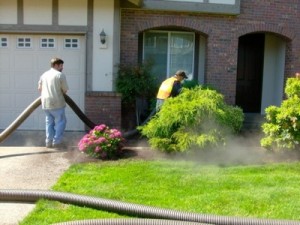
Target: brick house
[(244, 48)]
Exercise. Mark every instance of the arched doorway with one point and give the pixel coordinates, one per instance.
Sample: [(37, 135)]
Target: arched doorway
[(250, 72), (260, 72)]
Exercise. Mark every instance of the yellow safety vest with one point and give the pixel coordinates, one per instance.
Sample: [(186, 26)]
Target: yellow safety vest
[(165, 88)]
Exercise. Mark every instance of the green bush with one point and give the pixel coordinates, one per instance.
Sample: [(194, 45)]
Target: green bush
[(190, 84), (282, 126), (136, 82), (196, 119)]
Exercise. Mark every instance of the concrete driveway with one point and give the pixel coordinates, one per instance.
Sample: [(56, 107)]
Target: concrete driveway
[(26, 164)]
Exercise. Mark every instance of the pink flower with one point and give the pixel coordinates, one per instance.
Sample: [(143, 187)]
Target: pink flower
[(97, 149), (102, 142)]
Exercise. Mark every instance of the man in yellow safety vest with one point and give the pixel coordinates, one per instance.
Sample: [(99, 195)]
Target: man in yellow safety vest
[(171, 87)]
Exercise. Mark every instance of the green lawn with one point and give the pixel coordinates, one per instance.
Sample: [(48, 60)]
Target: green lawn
[(261, 191)]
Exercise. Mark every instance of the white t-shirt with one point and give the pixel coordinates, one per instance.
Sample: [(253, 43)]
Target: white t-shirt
[(53, 85)]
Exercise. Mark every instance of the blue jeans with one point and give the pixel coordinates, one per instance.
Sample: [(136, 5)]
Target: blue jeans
[(55, 125)]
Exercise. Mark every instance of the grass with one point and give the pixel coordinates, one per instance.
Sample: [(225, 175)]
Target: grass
[(261, 191)]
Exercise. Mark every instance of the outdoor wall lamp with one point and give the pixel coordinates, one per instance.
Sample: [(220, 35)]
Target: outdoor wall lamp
[(102, 37)]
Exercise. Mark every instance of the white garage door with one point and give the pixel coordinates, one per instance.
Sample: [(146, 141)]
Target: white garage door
[(23, 58)]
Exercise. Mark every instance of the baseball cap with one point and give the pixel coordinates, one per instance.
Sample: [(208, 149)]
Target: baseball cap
[(181, 73)]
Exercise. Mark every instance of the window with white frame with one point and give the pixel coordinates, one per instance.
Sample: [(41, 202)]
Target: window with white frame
[(169, 52), (71, 43), (3, 42), (47, 43), (24, 42)]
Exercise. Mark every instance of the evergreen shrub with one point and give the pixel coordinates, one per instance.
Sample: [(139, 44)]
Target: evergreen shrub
[(136, 81), (282, 127), (196, 119)]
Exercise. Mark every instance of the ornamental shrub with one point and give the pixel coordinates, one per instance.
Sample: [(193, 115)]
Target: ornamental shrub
[(196, 119), (282, 127), (102, 143), (136, 82)]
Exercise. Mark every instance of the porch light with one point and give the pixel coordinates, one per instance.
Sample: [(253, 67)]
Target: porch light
[(102, 37)]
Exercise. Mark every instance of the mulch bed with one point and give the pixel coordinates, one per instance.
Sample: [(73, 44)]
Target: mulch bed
[(242, 150)]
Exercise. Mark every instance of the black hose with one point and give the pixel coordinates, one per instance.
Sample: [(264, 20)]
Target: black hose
[(124, 221), (135, 131), (78, 112), (132, 209)]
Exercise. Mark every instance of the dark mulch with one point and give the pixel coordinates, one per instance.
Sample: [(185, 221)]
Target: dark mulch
[(243, 149)]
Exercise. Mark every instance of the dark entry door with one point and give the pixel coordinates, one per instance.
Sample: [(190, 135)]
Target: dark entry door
[(250, 72)]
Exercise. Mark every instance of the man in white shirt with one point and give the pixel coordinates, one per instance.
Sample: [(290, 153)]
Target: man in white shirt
[(53, 85)]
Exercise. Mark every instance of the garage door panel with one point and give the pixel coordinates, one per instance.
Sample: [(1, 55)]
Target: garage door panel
[(6, 101), (24, 61), (5, 80), (22, 101), (25, 82), (20, 70), (4, 59), (74, 84), (73, 122), (6, 118), (73, 64)]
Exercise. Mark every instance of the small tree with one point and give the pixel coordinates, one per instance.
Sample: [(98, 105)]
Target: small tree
[(135, 81), (196, 119), (138, 87), (282, 126)]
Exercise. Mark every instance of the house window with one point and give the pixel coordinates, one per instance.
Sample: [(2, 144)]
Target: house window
[(231, 7), (3, 42), (169, 52), (71, 43), (24, 42), (47, 43)]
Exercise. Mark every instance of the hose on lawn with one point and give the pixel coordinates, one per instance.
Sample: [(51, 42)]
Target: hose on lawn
[(124, 221), (135, 210)]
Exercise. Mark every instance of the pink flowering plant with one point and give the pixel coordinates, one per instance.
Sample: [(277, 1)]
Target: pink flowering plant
[(102, 142)]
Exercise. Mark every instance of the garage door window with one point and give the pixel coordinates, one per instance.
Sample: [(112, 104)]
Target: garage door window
[(24, 42), (3, 42), (71, 43), (47, 43)]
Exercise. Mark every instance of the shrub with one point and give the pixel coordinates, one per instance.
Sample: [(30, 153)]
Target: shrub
[(196, 119), (102, 143), (135, 82), (282, 126)]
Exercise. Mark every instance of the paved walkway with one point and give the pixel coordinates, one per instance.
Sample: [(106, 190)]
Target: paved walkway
[(25, 167)]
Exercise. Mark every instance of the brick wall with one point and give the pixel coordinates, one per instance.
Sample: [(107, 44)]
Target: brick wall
[(278, 17), (104, 108)]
